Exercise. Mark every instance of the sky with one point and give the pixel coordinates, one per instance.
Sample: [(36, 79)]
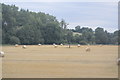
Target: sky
[(85, 14)]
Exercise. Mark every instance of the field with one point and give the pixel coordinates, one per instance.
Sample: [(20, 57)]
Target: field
[(62, 62)]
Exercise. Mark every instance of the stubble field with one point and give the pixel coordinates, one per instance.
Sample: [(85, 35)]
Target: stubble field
[(62, 62)]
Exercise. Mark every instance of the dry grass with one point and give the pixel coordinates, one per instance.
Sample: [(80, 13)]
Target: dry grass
[(48, 62)]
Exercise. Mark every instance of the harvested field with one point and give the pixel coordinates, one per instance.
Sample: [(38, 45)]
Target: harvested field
[(62, 62)]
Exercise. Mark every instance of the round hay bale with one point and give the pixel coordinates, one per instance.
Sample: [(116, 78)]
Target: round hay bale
[(16, 45), (24, 46), (88, 49), (78, 45), (39, 44), (100, 45), (2, 54), (61, 44), (55, 46), (118, 61), (88, 44)]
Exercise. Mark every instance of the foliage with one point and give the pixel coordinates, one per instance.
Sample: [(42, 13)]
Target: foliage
[(14, 40), (26, 27)]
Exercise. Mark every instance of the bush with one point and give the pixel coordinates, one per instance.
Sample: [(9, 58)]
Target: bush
[(83, 42), (14, 40)]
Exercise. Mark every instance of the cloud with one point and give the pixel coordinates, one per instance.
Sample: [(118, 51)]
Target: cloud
[(94, 24), (59, 0), (91, 14)]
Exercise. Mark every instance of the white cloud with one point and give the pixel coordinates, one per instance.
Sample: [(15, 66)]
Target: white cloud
[(78, 13), (59, 1), (94, 24)]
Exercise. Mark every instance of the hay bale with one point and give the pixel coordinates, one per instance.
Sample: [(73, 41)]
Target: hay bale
[(88, 49), (16, 45), (55, 46), (39, 44), (118, 61), (88, 44), (24, 46), (78, 45), (2, 54), (61, 44), (100, 45)]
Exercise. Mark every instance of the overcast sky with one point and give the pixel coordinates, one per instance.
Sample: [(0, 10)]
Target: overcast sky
[(91, 14)]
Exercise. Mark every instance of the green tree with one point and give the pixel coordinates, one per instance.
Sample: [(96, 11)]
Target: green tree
[(101, 36), (14, 40), (78, 29)]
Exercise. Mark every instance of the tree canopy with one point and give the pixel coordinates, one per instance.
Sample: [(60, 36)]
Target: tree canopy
[(26, 27)]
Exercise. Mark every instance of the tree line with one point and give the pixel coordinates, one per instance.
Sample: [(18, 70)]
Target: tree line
[(21, 26)]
